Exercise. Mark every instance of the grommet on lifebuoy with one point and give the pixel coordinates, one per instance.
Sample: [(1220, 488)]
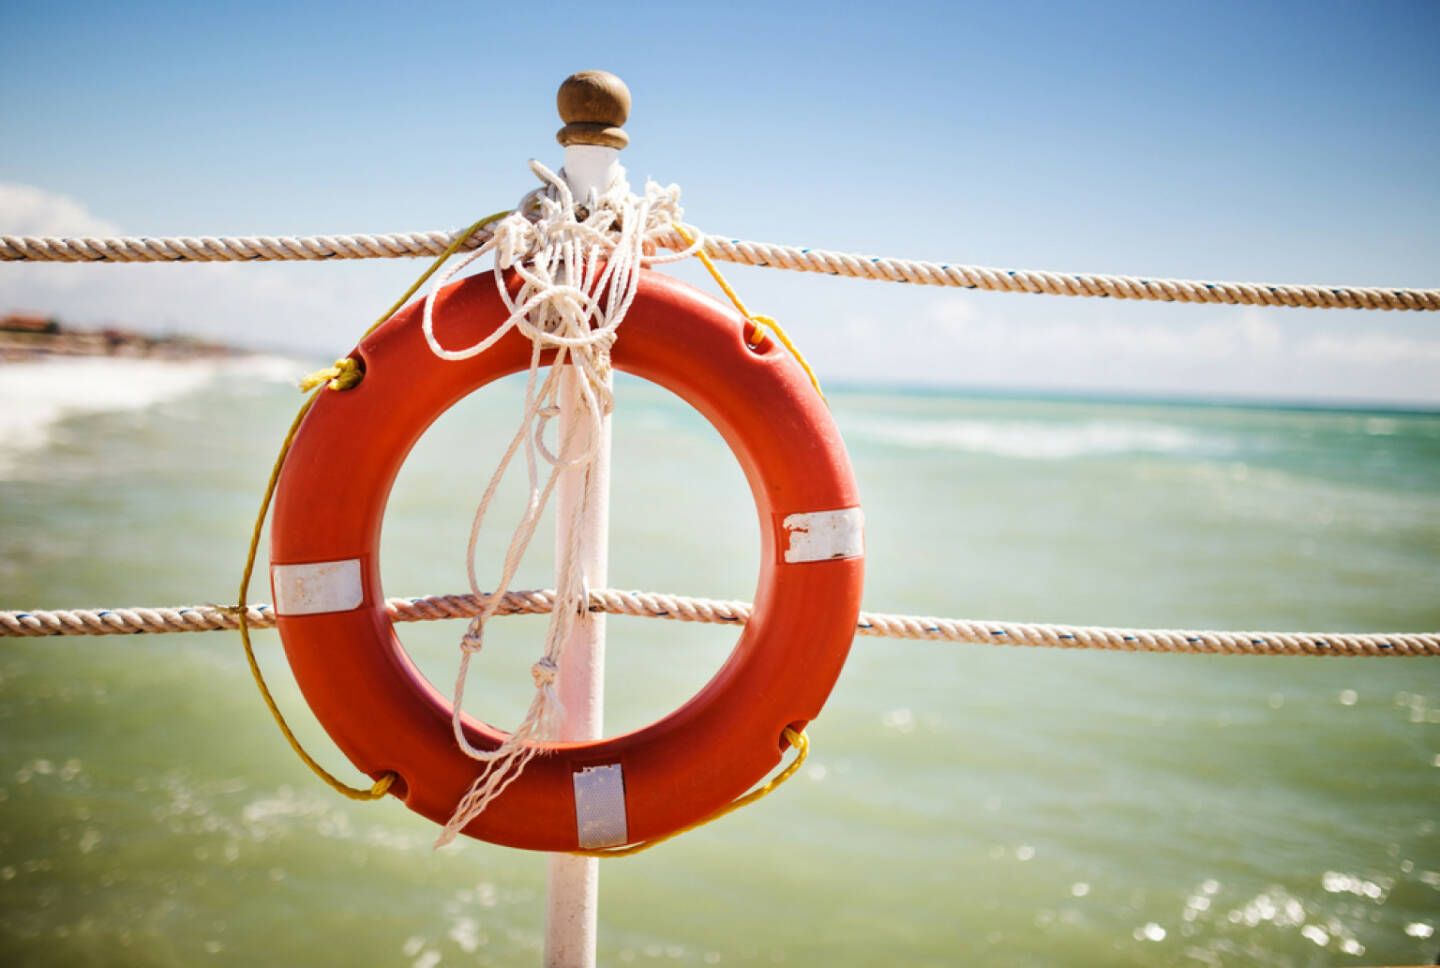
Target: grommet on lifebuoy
[(385, 716)]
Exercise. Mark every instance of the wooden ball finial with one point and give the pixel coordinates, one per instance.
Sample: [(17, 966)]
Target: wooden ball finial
[(593, 105)]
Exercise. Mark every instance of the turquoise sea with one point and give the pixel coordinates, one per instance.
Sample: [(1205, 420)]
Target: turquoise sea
[(964, 805)]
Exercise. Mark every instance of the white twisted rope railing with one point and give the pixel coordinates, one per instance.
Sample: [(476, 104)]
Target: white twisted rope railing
[(249, 248), (201, 618), (765, 254), (769, 255)]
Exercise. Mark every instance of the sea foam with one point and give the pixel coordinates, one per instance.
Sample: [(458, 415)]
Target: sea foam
[(1040, 440), (36, 397)]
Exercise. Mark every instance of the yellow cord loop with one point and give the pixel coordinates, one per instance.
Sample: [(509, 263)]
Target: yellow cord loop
[(763, 324), (345, 374), (799, 740)]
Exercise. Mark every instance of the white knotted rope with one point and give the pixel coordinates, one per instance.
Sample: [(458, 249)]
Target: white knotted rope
[(579, 273)]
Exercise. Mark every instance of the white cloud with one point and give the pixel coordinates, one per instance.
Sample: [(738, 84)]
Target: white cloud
[(310, 306), (27, 210), (954, 317), (1246, 335), (1371, 350), (1041, 342), (1260, 335)]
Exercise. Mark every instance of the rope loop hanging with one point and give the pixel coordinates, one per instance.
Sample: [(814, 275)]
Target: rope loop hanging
[(577, 270)]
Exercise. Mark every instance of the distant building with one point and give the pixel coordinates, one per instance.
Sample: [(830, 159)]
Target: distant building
[(24, 323)]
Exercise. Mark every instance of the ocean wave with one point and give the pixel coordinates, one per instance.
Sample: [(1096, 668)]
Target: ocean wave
[(1037, 440), (264, 368), (36, 396)]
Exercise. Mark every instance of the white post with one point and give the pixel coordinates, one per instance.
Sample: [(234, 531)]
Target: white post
[(572, 886), (589, 170)]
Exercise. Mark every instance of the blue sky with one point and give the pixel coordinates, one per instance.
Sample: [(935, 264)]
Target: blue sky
[(1281, 142)]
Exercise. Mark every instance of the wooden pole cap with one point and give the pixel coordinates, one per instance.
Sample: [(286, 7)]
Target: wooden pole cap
[(593, 105)]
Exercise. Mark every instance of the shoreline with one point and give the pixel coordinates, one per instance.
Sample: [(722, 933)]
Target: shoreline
[(28, 339)]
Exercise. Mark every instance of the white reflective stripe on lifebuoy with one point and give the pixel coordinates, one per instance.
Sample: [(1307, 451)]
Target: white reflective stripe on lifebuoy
[(321, 586), (825, 535), (600, 806)]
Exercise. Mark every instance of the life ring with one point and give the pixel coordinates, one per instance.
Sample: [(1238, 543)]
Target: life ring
[(385, 716)]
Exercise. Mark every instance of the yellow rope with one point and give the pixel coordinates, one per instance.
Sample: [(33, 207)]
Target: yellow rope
[(346, 373), (800, 741), (354, 793), (762, 323)]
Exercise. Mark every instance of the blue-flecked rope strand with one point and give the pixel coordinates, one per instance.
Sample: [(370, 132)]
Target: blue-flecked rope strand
[(199, 618)]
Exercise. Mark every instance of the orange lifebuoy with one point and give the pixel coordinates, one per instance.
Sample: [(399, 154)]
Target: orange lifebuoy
[(385, 716)]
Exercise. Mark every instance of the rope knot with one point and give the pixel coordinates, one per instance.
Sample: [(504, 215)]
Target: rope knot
[(346, 373), (474, 638), (544, 672)]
